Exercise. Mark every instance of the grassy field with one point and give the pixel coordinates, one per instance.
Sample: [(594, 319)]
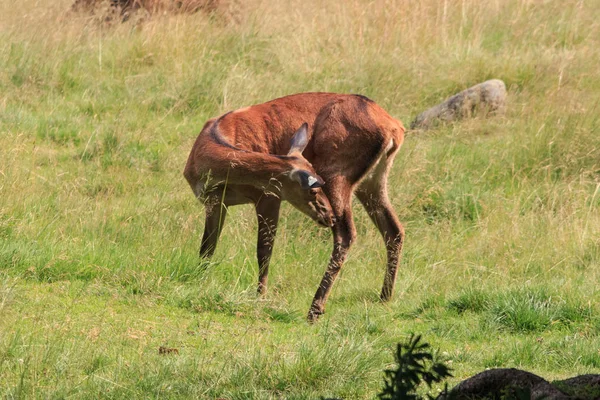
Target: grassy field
[(99, 232)]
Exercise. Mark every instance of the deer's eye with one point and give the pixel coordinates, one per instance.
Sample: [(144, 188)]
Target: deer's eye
[(314, 191)]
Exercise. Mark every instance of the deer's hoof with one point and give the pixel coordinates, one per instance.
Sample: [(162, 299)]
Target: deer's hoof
[(385, 296), (261, 291), (314, 314)]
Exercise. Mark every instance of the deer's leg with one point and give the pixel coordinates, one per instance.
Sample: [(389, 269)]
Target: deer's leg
[(383, 216), (267, 212), (216, 203), (344, 234), (216, 211), (372, 193)]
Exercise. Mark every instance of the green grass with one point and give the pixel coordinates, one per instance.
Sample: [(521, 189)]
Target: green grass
[(99, 232)]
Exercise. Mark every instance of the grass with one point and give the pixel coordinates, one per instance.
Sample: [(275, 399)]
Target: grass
[(99, 232)]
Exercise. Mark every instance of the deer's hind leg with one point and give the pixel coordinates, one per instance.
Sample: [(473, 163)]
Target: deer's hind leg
[(372, 193)]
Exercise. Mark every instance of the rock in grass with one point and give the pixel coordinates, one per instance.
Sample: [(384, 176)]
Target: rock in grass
[(513, 383), (488, 97), (124, 9), (581, 387)]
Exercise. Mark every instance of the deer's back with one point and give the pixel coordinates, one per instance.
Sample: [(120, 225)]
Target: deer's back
[(336, 121)]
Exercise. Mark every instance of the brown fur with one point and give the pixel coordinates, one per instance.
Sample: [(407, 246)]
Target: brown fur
[(241, 158)]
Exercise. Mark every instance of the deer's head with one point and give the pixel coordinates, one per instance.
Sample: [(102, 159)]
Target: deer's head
[(303, 188)]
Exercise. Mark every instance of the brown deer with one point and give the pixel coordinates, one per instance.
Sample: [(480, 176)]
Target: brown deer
[(312, 149)]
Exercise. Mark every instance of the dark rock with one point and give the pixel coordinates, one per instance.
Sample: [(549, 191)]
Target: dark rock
[(495, 383), (581, 387), (581, 380), (488, 97)]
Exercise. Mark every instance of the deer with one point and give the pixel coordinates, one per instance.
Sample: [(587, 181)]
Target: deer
[(313, 150)]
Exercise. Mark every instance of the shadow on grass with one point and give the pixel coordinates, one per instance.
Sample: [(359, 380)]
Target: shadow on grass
[(358, 296), (282, 315)]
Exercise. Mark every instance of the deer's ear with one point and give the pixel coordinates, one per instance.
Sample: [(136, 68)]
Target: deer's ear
[(299, 140), (306, 179)]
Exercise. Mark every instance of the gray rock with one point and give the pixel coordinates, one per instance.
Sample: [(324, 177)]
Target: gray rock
[(487, 97)]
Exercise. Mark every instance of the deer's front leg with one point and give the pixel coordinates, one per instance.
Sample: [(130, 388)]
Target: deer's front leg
[(344, 234), (267, 212)]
